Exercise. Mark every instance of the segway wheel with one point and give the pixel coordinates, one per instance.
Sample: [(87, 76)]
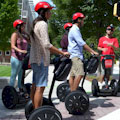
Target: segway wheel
[(115, 87), (61, 91), (29, 106), (77, 102), (46, 113), (28, 109), (95, 87), (9, 97), (112, 83), (82, 90)]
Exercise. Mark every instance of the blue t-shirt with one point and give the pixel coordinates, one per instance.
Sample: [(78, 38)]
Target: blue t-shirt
[(76, 43)]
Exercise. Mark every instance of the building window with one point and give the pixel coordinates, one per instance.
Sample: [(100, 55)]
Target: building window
[(0, 53), (7, 53)]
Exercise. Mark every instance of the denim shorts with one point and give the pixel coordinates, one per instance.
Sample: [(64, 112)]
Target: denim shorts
[(40, 74)]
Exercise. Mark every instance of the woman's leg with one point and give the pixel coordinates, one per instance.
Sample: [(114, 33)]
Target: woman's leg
[(40, 79), (14, 70), (20, 73), (38, 97)]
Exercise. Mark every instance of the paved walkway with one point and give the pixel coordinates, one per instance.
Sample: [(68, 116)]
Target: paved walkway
[(101, 108)]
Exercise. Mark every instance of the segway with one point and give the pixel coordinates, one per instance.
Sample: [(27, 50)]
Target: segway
[(48, 111), (64, 89), (77, 102), (112, 88), (10, 96)]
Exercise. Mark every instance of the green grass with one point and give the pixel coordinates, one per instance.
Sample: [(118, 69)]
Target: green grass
[(5, 71)]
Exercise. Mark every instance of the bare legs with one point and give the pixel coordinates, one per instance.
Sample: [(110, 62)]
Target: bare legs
[(74, 82), (37, 95)]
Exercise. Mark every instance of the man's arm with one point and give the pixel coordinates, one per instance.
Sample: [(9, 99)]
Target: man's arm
[(89, 49)]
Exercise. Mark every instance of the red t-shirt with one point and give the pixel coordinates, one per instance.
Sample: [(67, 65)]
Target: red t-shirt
[(103, 43)]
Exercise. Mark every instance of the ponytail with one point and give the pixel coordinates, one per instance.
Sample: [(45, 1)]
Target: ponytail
[(41, 16)]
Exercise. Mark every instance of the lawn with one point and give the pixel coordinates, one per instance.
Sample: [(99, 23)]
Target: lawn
[(91, 77), (5, 71)]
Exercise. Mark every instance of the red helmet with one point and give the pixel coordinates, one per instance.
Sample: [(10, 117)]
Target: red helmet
[(42, 5), (78, 15), (67, 25), (17, 22)]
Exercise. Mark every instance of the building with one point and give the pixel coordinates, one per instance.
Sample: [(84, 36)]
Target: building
[(27, 15)]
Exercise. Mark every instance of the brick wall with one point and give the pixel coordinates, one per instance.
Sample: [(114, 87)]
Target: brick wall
[(5, 56)]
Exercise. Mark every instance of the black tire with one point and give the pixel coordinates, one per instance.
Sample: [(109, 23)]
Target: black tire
[(29, 106), (61, 91), (81, 89), (115, 88), (112, 83), (46, 113), (77, 102), (28, 109), (95, 87), (9, 97)]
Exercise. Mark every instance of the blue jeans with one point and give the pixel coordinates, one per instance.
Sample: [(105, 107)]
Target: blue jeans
[(16, 69)]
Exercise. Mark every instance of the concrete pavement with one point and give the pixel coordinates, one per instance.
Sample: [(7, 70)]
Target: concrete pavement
[(101, 108)]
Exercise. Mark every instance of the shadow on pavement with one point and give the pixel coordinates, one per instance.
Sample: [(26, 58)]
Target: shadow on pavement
[(14, 117)]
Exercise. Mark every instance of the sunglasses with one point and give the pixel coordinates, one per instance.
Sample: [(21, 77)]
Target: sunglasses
[(110, 29)]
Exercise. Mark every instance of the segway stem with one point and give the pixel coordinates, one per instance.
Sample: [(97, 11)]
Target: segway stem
[(84, 79), (51, 88), (22, 82)]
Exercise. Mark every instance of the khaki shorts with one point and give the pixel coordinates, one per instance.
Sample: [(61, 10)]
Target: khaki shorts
[(77, 67)]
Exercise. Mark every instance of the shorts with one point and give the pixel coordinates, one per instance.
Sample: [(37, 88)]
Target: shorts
[(109, 71), (77, 67), (40, 74)]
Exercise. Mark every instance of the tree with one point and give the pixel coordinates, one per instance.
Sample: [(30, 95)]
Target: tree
[(99, 14), (8, 13)]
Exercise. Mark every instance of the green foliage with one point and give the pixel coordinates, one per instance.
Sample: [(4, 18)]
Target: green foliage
[(117, 35), (8, 13), (99, 14)]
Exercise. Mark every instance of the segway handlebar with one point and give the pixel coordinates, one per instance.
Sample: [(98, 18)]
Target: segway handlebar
[(107, 55)]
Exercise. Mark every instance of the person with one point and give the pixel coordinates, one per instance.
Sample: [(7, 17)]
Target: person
[(107, 44), (40, 52), (75, 48), (64, 41), (19, 42)]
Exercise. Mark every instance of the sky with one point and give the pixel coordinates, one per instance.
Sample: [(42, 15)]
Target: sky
[(49, 1)]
